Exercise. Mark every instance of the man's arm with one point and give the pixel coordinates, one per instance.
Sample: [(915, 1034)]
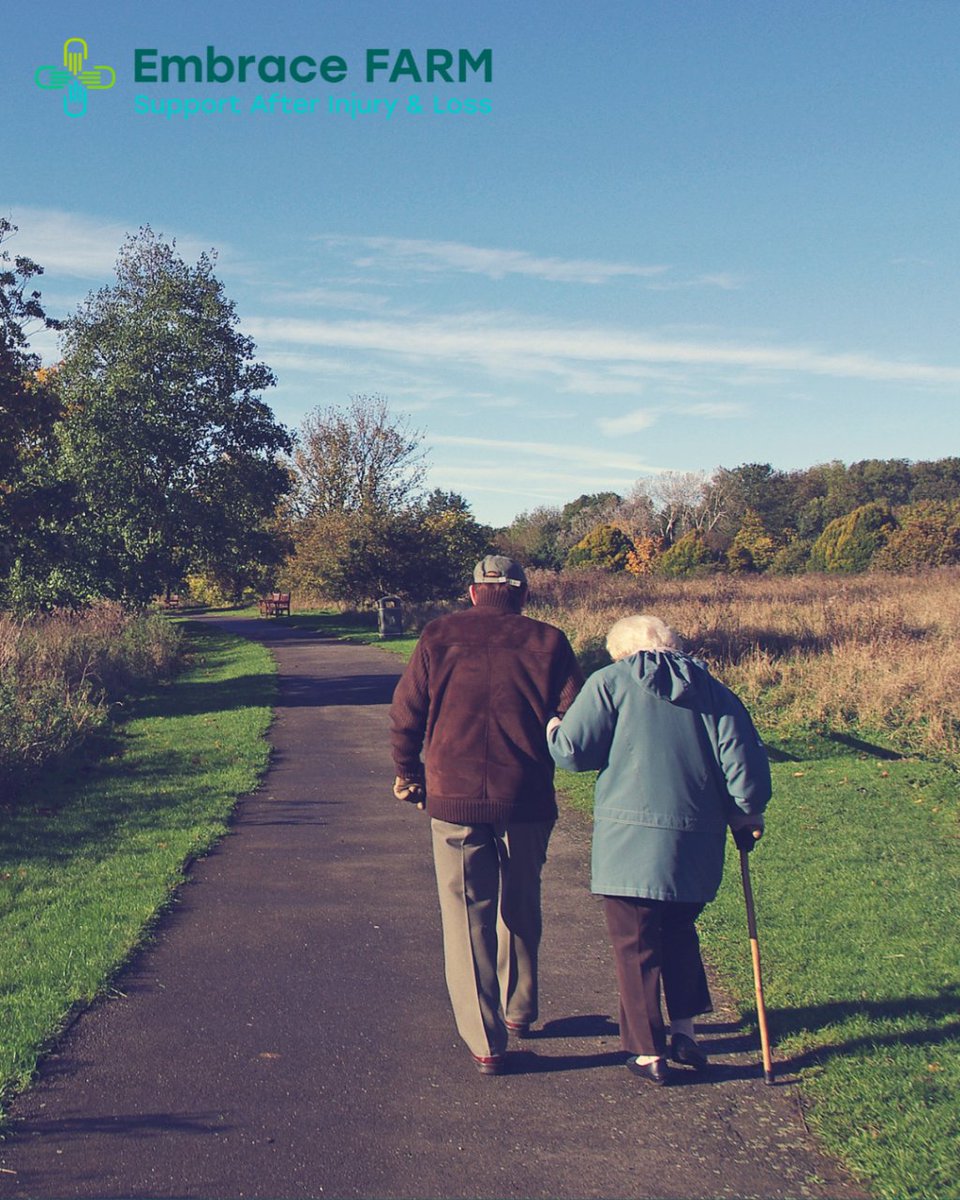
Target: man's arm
[(408, 717), (571, 680)]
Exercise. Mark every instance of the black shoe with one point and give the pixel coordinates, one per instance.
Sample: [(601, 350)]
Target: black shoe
[(656, 1072), (685, 1050)]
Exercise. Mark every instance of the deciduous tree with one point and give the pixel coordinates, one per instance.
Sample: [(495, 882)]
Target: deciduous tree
[(173, 451), (928, 535), (358, 458), (752, 548)]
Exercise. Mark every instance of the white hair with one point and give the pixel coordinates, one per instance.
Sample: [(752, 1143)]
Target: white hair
[(641, 632)]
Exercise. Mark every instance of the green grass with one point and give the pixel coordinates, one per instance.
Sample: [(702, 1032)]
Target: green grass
[(85, 870), (857, 887)]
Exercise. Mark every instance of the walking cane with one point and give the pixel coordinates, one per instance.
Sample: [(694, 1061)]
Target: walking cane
[(755, 954)]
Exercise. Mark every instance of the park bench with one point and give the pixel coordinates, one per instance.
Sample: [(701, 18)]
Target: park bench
[(170, 601), (277, 604)]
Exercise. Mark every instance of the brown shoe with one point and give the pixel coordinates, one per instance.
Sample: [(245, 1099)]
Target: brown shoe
[(491, 1065), (519, 1029)]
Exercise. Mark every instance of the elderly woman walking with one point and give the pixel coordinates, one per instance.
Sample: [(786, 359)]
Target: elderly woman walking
[(680, 761)]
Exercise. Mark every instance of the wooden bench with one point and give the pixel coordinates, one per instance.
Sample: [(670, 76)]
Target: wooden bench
[(277, 604), (169, 601)]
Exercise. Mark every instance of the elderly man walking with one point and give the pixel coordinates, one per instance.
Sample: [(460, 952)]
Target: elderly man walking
[(474, 698)]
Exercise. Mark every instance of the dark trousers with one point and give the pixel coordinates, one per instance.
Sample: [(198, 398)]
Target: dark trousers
[(655, 944)]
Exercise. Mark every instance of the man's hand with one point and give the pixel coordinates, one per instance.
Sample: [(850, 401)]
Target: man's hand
[(413, 790), (747, 836)]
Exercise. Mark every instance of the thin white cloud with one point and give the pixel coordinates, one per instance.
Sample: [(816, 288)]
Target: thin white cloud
[(479, 260), (644, 418), (67, 243), (912, 260), (632, 422), (579, 455), (84, 247), (723, 280), (354, 301), (557, 348), (714, 410), (310, 364)]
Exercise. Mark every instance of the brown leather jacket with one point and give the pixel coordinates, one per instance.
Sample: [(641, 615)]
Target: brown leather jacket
[(477, 694)]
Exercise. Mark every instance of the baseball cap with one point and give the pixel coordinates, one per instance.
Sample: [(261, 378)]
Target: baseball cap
[(497, 568)]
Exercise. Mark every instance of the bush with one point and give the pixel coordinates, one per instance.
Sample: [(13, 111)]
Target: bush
[(643, 558), (687, 556), (604, 548), (792, 558), (848, 543), (928, 536), (43, 723), (59, 675), (752, 548)]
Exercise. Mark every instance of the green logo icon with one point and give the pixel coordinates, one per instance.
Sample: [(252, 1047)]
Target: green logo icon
[(73, 78)]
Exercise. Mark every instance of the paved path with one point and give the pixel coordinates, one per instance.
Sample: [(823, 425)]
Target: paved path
[(288, 1034)]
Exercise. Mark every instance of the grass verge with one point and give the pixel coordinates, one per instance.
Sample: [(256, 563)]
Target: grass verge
[(85, 869), (857, 886)]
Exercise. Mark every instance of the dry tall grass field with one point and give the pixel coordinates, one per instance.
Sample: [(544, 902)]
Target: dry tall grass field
[(875, 652)]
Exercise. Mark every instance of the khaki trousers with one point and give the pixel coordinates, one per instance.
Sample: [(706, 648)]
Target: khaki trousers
[(488, 881)]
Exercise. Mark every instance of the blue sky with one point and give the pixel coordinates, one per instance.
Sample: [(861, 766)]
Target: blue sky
[(686, 234)]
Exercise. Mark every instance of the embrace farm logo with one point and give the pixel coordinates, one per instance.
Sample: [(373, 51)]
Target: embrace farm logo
[(73, 78)]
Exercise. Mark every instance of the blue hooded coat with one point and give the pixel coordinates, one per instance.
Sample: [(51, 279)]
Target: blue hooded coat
[(679, 759)]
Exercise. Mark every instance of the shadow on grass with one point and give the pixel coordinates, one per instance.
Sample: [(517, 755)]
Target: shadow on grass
[(87, 804), (194, 698), (777, 755), (821, 744), (861, 747), (932, 1010)]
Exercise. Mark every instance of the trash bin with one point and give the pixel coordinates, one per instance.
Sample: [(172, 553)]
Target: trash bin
[(389, 617)]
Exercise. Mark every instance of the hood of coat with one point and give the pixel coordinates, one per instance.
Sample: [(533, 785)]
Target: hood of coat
[(670, 675)]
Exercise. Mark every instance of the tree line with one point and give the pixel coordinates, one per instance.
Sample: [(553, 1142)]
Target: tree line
[(885, 514)]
